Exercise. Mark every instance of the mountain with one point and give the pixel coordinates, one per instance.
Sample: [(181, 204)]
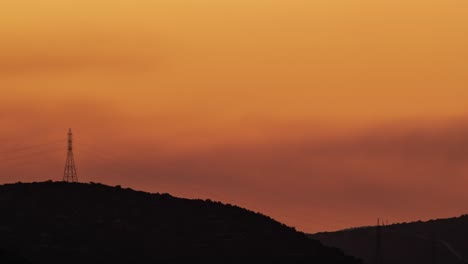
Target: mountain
[(58, 222), (436, 241)]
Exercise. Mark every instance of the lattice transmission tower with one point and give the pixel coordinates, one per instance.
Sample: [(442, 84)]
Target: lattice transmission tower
[(69, 174)]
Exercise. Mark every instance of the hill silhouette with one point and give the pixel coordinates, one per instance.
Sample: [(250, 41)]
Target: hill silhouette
[(9, 258), (57, 222), (436, 241)]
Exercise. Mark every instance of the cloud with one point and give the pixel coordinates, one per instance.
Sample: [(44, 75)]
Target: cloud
[(74, 51), (319, 182), (401, 174), (41, 64)]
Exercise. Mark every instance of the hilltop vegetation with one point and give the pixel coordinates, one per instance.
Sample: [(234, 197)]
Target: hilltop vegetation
[(90, 223), (436, 241)]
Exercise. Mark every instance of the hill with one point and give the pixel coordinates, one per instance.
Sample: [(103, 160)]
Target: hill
[(436, 241), (9, 258), (57, 222)]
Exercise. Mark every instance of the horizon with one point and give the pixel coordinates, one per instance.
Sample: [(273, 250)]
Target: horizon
[(323, 115), (380, 222)]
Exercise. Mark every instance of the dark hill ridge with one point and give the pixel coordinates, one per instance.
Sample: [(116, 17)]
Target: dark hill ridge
[(436, 241), (9, 258), (57, 222)]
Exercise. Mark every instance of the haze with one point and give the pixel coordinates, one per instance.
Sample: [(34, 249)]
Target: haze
[(323, 114)]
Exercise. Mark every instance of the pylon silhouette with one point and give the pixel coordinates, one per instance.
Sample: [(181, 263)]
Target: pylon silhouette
[(69, 174)]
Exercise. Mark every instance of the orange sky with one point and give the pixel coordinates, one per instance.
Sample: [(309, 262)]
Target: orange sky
[(305, 110)]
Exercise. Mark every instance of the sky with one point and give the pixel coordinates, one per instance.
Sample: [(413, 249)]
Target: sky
[(324, 114)]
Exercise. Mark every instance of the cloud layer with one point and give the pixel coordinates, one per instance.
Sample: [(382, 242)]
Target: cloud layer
[(319, 182)]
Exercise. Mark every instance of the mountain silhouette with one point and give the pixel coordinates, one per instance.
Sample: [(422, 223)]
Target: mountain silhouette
[(435, 241), (58, 222)]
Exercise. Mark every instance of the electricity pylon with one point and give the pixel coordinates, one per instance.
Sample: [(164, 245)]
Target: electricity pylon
[(69, 174)]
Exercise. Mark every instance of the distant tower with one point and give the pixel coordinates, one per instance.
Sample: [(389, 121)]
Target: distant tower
[(70, 169)]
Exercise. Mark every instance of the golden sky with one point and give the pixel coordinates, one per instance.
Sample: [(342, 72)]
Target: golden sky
[(250, 91)]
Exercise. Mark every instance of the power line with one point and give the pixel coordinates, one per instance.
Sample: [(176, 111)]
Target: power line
[(27, 155), (30, 147)]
